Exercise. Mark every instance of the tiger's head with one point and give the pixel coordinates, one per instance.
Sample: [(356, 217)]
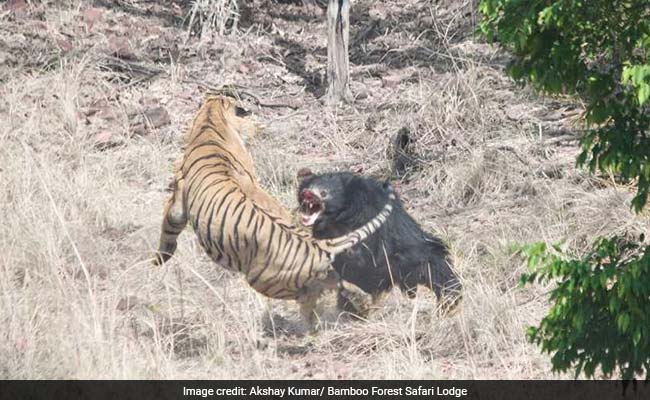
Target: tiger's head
[(229, 106), (229, 117)]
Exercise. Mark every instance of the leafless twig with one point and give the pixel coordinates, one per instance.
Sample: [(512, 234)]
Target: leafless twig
[(238, 92)]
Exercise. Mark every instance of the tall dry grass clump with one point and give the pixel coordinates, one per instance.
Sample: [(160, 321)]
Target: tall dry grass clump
[(208, 17)]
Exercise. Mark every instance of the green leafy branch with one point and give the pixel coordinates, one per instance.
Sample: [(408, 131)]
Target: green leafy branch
[(600, 314), (598, 50)]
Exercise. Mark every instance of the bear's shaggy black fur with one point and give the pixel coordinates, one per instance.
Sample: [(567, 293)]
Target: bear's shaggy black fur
[(337, 203)]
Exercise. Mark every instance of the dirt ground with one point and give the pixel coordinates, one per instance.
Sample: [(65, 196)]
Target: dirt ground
[(95, 97)]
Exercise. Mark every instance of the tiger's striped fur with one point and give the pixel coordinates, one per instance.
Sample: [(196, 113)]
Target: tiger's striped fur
[(239, 225)]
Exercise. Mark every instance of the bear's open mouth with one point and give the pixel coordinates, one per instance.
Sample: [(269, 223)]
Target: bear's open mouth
[(310, 207)]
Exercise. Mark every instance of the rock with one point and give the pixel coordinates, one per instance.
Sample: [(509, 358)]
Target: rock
[(151, 118), (16, 7), (64, 45), (100, 111), (90, 16), (247, 68), (360, 91), (158, 117), (121, 48), (391, 81), (515, 112), (361, 95), (106, 139)]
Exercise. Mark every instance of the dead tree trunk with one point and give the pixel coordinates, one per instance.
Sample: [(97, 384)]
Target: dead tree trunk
[(338, 62)]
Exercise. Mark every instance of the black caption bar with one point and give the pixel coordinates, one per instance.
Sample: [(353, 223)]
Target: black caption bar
[(198, 390)]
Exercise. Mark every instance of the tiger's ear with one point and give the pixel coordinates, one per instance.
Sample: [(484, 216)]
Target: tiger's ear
[(304, 173)]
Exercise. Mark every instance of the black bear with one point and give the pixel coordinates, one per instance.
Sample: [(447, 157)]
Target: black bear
[(399, 254)]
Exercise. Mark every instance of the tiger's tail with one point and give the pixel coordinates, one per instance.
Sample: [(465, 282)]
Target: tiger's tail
[(339, 244), (174, 221)]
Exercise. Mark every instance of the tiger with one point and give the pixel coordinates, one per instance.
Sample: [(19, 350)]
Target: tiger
[(238, 224)]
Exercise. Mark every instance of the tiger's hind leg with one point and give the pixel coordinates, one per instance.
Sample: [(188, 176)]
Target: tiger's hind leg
[(326, 279), (353, 300), (268, 323), (174, 221), (308, 310), (309, 299)]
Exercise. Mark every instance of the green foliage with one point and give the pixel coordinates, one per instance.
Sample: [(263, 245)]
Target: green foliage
[(639, 77), (601, 313), (598, 50)]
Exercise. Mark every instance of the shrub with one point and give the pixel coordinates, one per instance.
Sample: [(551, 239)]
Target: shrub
[(597, 50)]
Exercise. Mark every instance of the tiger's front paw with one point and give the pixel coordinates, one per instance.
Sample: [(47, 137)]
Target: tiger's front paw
[(160, 258)]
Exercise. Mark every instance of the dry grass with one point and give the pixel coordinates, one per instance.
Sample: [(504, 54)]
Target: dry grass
[(78, 299), (210, 17)]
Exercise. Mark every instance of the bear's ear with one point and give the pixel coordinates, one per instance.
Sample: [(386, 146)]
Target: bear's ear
[(387, 186), (347, 178), (304, 173)]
